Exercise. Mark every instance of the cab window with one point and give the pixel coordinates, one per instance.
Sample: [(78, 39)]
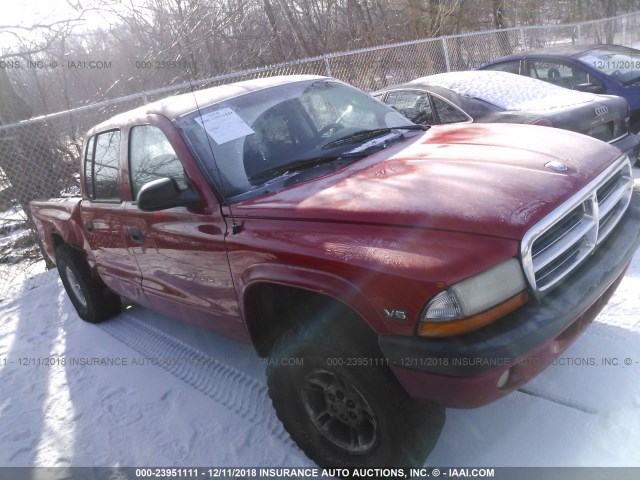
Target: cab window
[(103, 178), (88, 167), (151, 157)]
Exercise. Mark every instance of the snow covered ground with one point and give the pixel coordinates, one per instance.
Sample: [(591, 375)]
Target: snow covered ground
[(207, 405), (205, 402), (18, 266)]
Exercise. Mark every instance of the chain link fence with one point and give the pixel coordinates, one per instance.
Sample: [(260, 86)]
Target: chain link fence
[(40, 158)]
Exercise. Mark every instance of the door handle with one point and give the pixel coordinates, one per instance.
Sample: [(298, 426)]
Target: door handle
[(90, 227), (136, 235)]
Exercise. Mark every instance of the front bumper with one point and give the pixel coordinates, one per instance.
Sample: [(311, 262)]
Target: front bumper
[(629, 144), (463, 371)]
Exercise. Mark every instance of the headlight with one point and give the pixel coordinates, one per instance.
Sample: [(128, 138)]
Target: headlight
[(476, 301)]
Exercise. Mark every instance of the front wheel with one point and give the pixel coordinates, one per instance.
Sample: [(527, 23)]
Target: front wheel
[(92, 300), (342, 405)]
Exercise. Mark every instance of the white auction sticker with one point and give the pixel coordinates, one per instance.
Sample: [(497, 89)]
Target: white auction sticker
[(224, 125)]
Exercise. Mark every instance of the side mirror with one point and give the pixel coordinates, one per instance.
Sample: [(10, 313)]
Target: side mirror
[(590, 88), (165, 193)]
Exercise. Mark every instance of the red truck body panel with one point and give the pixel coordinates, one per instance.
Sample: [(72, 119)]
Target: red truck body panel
[(346, 260), (464, 178), (478, 390), (389, 231)]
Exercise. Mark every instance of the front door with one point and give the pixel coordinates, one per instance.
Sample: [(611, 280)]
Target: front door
[(181, 252)]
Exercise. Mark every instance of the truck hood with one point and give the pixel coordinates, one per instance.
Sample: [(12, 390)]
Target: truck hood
[(480, 178)]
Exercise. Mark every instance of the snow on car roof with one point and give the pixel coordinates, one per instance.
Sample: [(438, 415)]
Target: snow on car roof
[(507, 90)]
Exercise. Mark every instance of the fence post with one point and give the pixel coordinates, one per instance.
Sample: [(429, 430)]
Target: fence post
[(624, 30), (446, 54), (578, 35), (327, 66), (522, 39)]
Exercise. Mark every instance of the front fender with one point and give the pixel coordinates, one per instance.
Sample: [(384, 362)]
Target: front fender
[(321, 282)]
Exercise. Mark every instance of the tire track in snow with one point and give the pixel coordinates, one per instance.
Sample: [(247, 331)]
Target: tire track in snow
[(565, 403), (233, 389)]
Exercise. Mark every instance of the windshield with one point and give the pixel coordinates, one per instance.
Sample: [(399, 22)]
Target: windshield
[(248, 141), (621, 63)]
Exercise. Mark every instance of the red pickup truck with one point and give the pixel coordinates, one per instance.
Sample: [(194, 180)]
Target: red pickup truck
[(386, 270)]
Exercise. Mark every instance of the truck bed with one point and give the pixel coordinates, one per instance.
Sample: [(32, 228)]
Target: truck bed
[(57, 216)]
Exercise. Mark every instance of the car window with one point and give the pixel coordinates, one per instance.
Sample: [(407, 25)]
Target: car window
[(619, 62), (106, 166), (88, 167), (151, 157), (447, 113), (413, 105), (512, 66), (323, 111), (560, 73), (239, 140), (277, 136)]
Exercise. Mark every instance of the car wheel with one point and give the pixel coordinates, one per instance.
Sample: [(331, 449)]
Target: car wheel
[(91, 299), (342, 405)]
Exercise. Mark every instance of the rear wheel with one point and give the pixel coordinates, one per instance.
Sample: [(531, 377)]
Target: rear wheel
[(342, 405), (91, 299)]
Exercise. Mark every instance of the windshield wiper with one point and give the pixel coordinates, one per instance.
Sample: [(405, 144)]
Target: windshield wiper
[(362, 135), (303, 164)]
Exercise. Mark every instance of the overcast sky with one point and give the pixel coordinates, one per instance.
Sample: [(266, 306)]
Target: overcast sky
[(26, 13)]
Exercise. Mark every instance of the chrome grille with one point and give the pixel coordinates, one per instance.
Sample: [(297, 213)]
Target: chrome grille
[(554, 247)]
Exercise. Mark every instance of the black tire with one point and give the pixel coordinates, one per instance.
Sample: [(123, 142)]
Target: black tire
[(394, 430), (92, 300)]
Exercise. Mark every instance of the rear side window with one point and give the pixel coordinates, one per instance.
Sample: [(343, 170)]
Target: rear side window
[(88, 167), (106, 166), (151, 157), (510, 67), (413, 105), (560, 73), (447, 113)]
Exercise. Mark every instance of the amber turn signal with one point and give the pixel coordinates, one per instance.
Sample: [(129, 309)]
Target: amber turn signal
[(469, 324)]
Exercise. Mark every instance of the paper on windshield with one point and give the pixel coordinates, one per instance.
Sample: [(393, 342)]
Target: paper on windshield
[(224, 125)]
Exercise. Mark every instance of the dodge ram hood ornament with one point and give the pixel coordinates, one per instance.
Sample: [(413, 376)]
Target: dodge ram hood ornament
[(556, 165)]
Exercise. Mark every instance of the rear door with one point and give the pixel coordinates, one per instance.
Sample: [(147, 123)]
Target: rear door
[(181, 253), (103, 214)]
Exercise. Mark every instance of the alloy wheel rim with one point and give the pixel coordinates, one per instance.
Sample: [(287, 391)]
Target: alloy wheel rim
[(339, 411)]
